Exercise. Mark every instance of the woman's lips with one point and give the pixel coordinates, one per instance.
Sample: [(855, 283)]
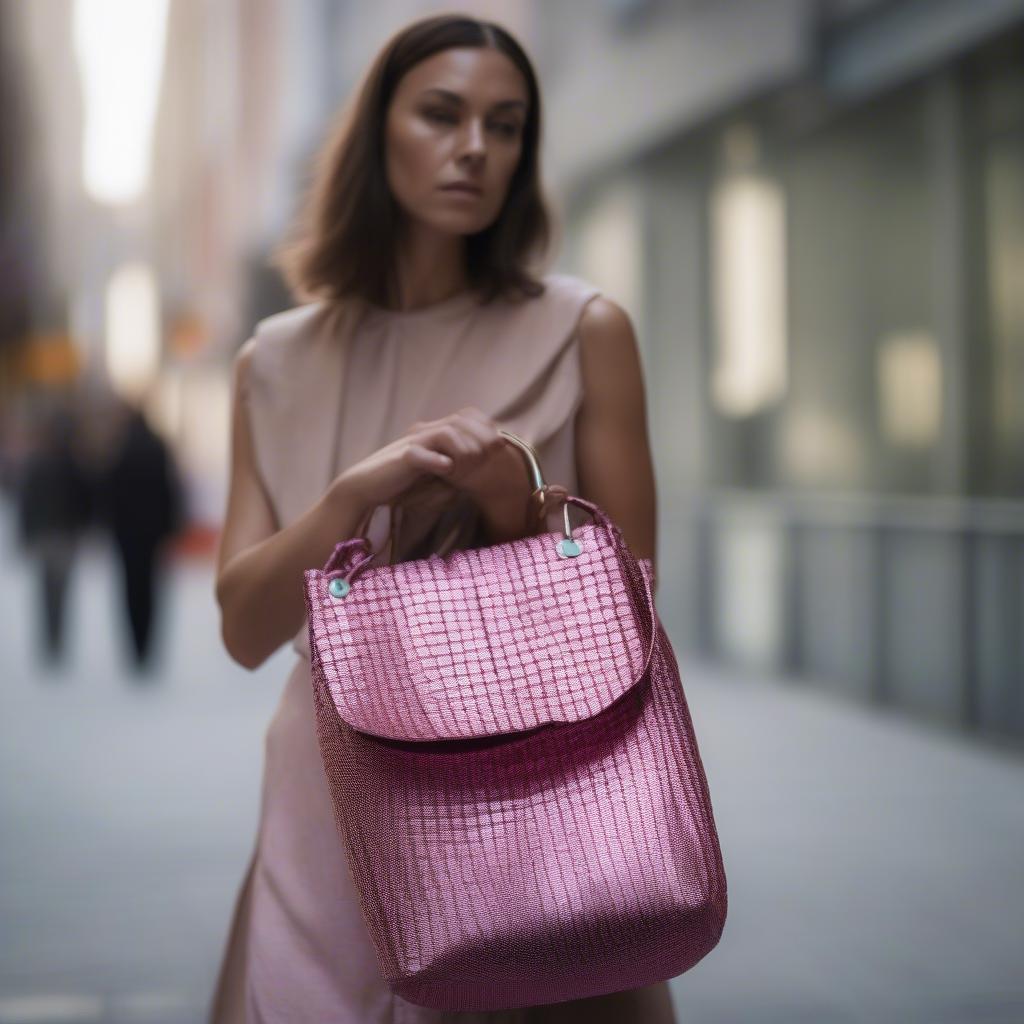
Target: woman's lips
[(462, 190)]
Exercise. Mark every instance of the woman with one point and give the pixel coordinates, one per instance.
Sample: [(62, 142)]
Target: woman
[(422, 333)]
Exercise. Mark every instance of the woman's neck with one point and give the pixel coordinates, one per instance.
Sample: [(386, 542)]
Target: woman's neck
[(430, 268)]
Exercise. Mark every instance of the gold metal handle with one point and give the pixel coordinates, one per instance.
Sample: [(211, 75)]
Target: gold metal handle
[(530, 453), (540, 488), (538, 498), (567, 547)]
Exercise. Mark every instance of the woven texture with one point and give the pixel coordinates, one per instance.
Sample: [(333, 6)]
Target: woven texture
[(514, 772)]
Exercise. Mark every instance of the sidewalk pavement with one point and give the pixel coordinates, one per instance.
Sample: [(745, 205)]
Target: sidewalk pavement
[(875, 866)]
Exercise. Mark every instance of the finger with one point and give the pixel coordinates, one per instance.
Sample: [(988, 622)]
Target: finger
[(421, 457), (454, 440), (481, 429), (492, 426), (421, 427)]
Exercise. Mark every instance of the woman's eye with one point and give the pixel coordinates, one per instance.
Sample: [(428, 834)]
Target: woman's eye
[(507, 129)]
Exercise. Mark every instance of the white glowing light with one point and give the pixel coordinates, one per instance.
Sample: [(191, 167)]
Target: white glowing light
[(749, 271), (910, 388), (133, 329), (119, 45)]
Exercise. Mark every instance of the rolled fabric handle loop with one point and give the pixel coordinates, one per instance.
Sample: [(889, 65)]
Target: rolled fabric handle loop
[(343, 553)]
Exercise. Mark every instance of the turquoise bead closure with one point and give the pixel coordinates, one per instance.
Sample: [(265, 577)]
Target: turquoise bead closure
[(568, 548), (339, 587)]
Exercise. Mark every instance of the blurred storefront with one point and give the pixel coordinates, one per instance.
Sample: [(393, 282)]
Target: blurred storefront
[(827, 264)]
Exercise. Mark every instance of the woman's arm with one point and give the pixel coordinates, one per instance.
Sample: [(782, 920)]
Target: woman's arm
[(259, 567), (613, 457)]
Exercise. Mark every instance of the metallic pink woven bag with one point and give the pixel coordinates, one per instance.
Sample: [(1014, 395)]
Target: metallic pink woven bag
[(514, 772)]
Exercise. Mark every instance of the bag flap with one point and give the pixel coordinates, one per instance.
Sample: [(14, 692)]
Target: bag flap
[(481, 641)]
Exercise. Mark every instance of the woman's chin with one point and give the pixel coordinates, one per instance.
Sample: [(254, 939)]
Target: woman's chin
[(457, 222)]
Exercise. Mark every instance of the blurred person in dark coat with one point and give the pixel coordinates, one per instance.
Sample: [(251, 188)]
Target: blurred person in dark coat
[(54, 507), (141, 498)]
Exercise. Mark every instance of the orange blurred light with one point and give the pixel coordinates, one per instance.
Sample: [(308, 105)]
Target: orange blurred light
[(50, 358), (188, 335)]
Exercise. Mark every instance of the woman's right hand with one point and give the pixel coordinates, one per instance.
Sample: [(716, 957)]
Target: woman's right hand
[(445, 449)]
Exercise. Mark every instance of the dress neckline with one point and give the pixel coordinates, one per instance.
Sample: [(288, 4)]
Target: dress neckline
[(453, 304)]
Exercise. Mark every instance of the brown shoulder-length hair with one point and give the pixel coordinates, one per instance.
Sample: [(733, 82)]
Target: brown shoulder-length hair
[(343, 242)]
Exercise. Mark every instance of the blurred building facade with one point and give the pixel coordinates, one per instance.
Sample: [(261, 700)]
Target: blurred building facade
[(17, 269), (812, 210), (826, 240)]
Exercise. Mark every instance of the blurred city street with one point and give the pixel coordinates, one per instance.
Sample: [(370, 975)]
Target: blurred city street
[(133, 803), (874, 864), (810, 216)]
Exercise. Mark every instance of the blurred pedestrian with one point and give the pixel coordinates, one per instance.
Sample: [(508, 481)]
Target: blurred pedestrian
[(54, 507), (140, 496)]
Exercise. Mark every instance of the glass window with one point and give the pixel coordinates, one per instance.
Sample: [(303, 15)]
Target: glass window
[(998, 115), (826, 371)]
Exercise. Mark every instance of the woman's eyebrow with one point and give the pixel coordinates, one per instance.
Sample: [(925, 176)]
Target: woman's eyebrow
[(456, 98)]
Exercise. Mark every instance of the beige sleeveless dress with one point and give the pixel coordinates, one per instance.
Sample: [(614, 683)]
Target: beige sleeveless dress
[(325, 390)]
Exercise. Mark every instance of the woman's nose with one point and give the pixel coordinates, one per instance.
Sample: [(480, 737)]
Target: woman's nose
[(474, 139)]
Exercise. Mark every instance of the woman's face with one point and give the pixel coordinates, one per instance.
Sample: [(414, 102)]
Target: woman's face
[(457, 116)]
